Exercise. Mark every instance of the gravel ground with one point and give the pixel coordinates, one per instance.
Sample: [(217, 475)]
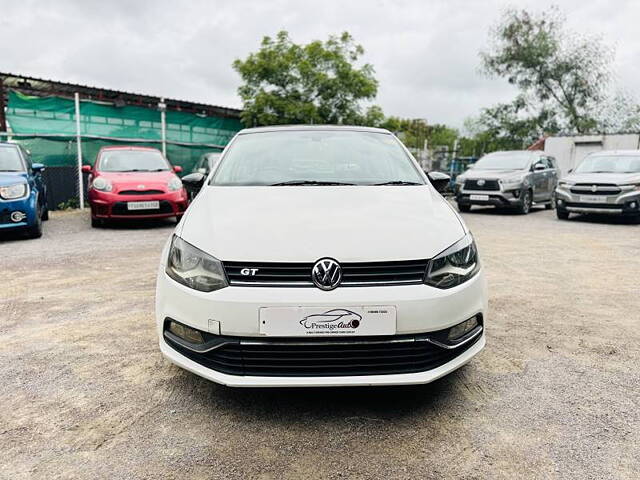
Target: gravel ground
[(554, 395)]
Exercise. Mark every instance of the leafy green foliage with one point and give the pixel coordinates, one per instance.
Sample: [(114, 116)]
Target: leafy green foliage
[(562, 76), (287, 83)]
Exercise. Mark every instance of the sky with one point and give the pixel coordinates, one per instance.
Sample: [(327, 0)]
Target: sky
[(425, 53)]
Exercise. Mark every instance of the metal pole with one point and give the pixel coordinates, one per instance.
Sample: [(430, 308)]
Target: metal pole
[(79, 145), (163, 125), (3, 119)]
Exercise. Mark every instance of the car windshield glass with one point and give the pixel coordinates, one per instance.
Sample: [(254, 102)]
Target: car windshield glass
[(132, 161), (212, 158), (10, 160), (504, 161), (610, 164), (316, 157)]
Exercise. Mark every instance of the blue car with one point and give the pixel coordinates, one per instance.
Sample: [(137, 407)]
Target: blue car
[(23, 194)]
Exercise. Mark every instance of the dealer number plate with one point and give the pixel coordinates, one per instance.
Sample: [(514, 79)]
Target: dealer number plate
[(592, 199), (326, 321), (153, 205), (479, 197)]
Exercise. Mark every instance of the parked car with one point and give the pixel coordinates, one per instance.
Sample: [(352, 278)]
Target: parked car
[(23, 192), (511, 179), (134, 182), (207, 162), (319, 256), (605, 182)]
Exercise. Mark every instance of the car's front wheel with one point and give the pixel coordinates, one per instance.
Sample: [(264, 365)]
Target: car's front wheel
[(36, 230), (527, 200), (464, 208), (562, 214), (97, 222)]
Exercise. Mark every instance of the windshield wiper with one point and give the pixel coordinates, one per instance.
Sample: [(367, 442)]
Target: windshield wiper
[(307, 182), (397, 182)]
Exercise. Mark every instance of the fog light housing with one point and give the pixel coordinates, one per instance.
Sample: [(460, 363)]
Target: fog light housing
[(188, 334), (560, 202), (18, 216), (516, 193), (633, 205), (458, 331)]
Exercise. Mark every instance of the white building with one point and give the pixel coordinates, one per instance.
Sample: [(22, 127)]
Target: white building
[(569, 150)]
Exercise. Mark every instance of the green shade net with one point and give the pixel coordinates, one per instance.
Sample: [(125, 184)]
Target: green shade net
[(103, 124)]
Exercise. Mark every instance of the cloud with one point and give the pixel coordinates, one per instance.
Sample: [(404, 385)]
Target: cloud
[(425, 53)]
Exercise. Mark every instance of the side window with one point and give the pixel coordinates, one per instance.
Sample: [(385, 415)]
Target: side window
[(552, 162), (26, 156), (545, 161)]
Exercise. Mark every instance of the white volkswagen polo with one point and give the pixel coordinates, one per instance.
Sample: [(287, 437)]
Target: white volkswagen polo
[(320, 256)]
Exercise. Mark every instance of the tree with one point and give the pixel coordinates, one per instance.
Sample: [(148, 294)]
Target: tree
[(562, 76), (320, 82)]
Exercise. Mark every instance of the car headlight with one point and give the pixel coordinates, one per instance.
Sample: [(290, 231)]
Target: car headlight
[(174, 184), (11, 192), (102, 184), (512, 182), (460, 180), (455, 265), (194, 268), (565, 184)]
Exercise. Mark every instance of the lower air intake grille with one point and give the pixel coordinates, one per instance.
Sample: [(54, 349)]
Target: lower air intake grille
[(282, 357)]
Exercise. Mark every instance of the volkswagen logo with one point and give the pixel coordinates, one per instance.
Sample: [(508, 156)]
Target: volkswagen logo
[(326, 274), (594, 188), (481, 182)]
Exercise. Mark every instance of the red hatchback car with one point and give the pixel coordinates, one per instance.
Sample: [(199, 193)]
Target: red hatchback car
[(134, 182)]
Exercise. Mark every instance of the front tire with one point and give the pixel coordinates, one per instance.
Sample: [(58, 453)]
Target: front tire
[(562, 214), (36, 230), (527, 201), (552, 203), (464, 208), (97, 222)]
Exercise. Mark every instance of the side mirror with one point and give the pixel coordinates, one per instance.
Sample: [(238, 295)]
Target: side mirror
[(570, 170), (86, 168), (538, 166), (177, 169), (193, 182), (439, 180), (38, 167)]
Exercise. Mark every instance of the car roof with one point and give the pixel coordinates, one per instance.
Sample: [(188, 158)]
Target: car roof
[(281, 128), (616, 153), (128, 147)]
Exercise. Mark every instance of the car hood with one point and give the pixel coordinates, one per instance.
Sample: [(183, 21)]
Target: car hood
[(491, 173), (10, 178), (304, 224), (138, 180), (614, 178)]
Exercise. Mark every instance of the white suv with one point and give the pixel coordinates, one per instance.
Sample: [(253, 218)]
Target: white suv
[(320, 256)]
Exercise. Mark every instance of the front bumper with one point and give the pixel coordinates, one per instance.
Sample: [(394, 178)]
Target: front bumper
[(497, 198), (26, 205), (234, 311), (114, 206), (624, 203)]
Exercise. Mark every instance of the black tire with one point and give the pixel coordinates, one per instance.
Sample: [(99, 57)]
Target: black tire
[(527, 201), (97, 222), (178, 218), (464, 208), (45, 214), (562, 214), (36, 230)]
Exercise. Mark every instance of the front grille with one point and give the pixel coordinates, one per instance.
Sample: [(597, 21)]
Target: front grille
[(120, 208), (288, 357), (407, 272), (488, 185), (600, 189), (141, 192), (611, 206)]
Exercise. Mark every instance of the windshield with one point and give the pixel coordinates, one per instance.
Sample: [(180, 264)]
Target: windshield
[(132, 161), (10, 160), (504, 161), (610, 164), (316, 157), (212, 159)]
